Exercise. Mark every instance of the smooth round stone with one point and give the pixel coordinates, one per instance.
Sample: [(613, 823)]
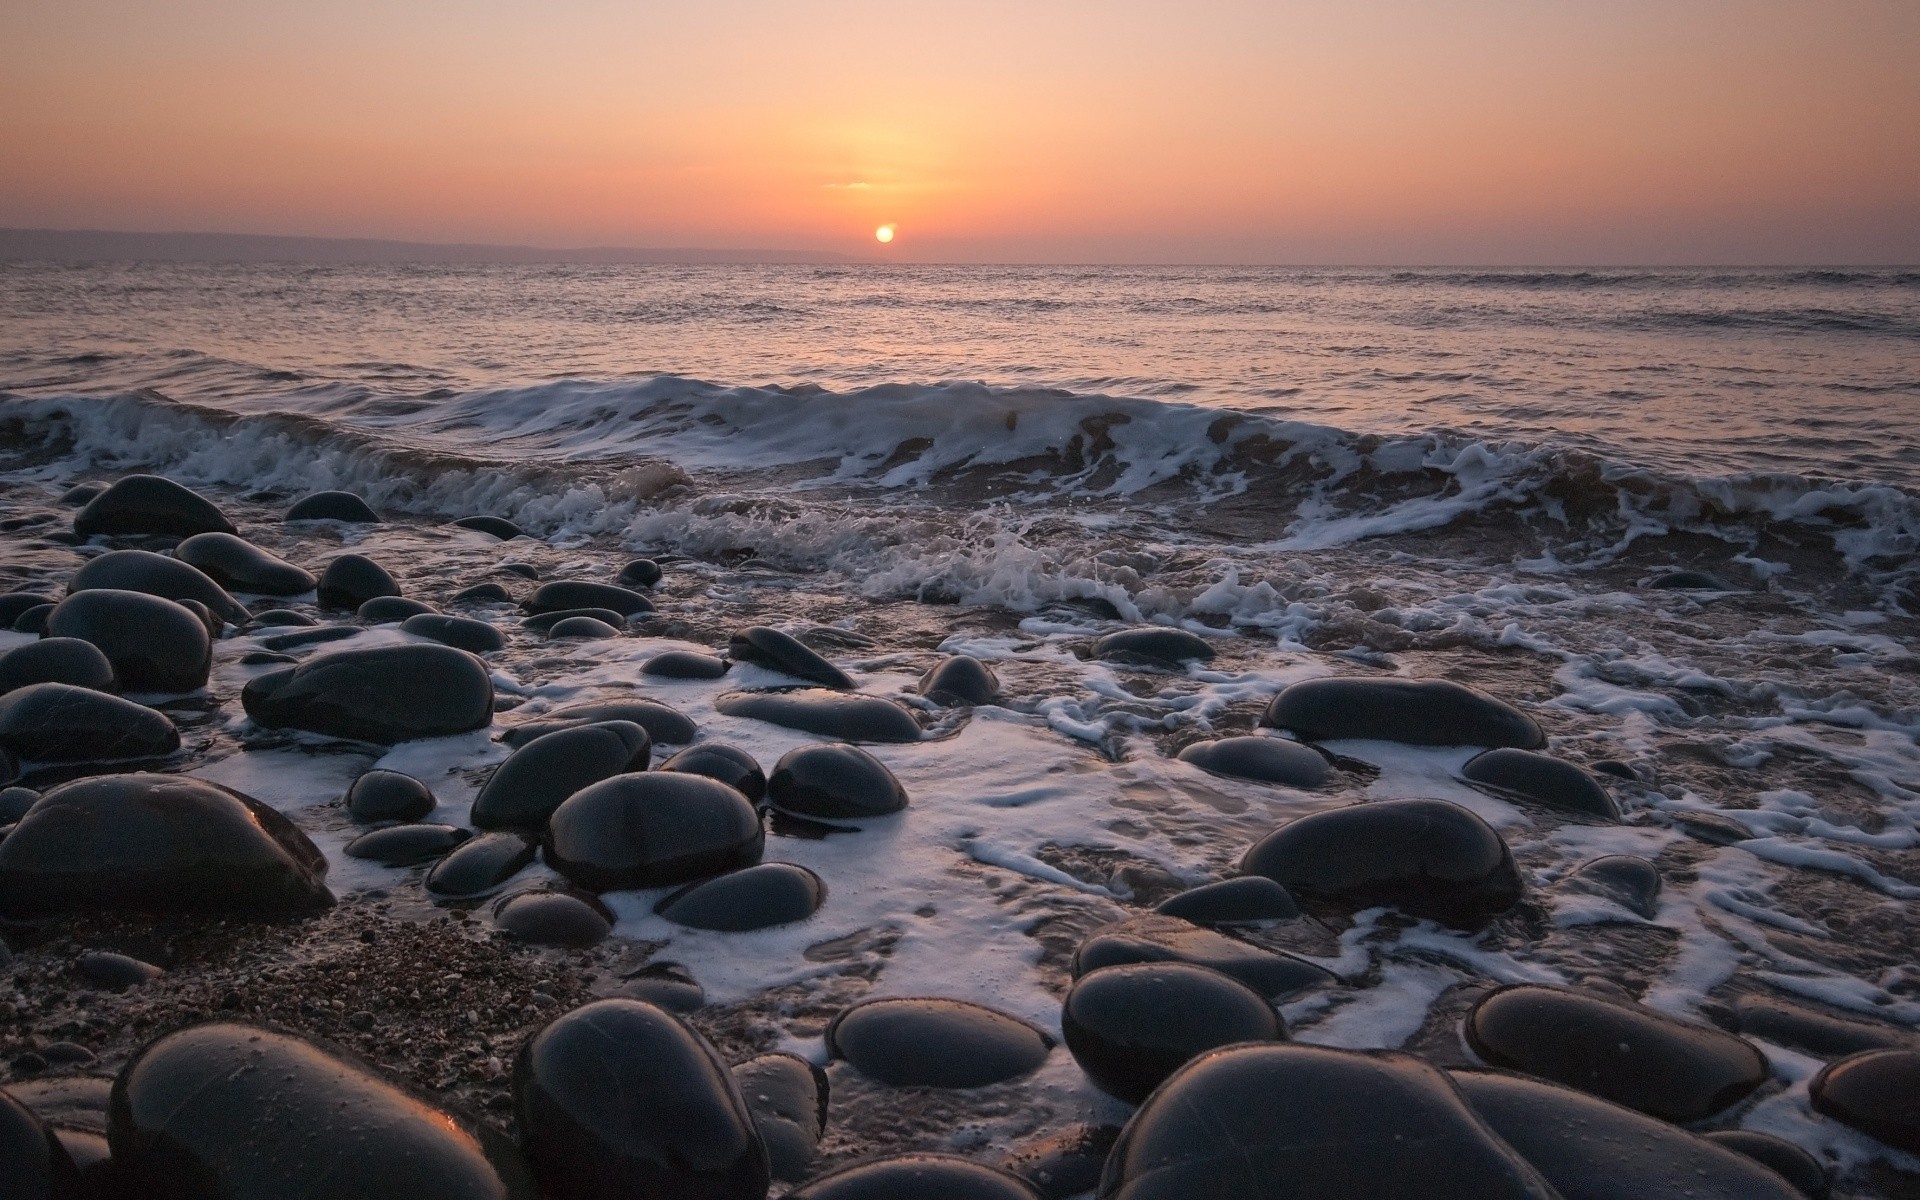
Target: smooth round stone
[(407, 845), (353, 579), (214, 625), (667, 985), (150, 504), (730, 765), (1805, 1172), (1065, 1163), (12, 604), (390, 610), (33, 620), (1690, 581), (641, 572), (260, 658), (388, 796), (619, 1100), (283, 616), (537, 778), (935, 1043), (757, 897), (1876, 1092), (834, 782), (586, 629), (158, 843), (554, 919), (56, 660), (156, 575), (1267, 759), (917, 1177), (1153, 938), (154, 645), (238, 564), (1590, 1149), (1417, 712), (1284, 1119), (777, 651), (962, 679), (227, 1110), (1621, 1052), (1247, 900), (57, 722), (1428, 858), (544, 622), (383, 694), (524, 570), (1627, 880), (651, 830), (462, 633), (498, 527), (564, 594), (479, 866), (684, 664), (1153, 647), (829, 714), (33, 1163), (484, 593), (663, 724), (1544, 780), (787, 1096), (14, 803), (333, 506), (319, 635), (1129, 1027), (1824, 1035), (116, 972), (80, 493)]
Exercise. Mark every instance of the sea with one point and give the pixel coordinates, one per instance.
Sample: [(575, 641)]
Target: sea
[(1489, 476)]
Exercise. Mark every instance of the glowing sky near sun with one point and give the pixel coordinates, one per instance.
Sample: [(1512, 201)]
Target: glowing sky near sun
[(1407, 131)]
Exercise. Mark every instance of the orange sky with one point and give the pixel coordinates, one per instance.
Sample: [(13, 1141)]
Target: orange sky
[(1352, 131)]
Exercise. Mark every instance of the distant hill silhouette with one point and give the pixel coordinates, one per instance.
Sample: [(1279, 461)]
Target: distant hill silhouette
[(92, 245)]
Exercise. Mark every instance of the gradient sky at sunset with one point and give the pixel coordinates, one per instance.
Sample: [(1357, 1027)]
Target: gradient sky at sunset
[(1349, 131)]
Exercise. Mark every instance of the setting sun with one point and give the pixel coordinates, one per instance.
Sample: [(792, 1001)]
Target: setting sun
[(884, 233)]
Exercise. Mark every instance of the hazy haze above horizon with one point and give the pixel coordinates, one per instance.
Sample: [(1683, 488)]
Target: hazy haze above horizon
[(1391, 131)]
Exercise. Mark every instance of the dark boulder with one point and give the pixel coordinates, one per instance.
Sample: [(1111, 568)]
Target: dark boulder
[(462, 633), (115, 972), (150, 504), (651, 830), (777, 651), (33, 1163), (1129, 1027), (319, 635), (524, 570), (641, 572), (1820, 1033), (1156, 647), (384, 694), (1546, 781), (1629, 881), (407, 845), (1417, 712), (154, 645), (12, 604), (80, 493), (14, 803), (238, 564), (585, 629), (1247, 900), (481, 865), (1807, 1174), (56, 722), (684, 664), (391, 610), (564, 594), (544, 622), (829, 714), (56, 660), (1266, 759), (835, 782), (666, 984), (935, 1043), (537, 778), (483, 593), (1064, 1163), (156, 575), (717, 760), (962, 679), (663, 724), (917, 1177), (498, 527), (787, 1096), (554, 918), (275, 617), (353, 579), (333, 506), (757, 897), (1876, 1092), (1153, 938), (33, 620)]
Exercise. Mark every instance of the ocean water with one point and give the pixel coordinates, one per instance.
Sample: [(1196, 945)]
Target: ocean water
[(1469, 475)]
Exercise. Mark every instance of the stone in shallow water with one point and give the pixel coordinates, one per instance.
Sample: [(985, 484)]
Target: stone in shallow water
[(537, 778), (462, 633), (1876, 1092), (158, 843), (917, 1177), (33, 620), (777, 651), (1805, 1172), (651, 830), (391, 610), (1428, 858), (283, 616), (554, 918), (1267, 759), (684, 664), (1153, 938), (666, 984), (154, 645), (829, 714), (12, 604), (1065, 1163), (333, 506), (1243, 901), (524, 570), (484, 593), (383, 694), (1153, 647), (116, 972), (33, 1163), (1690, 581), (498, 527), (156, 575), (1294, 1120), (481, 865), (787, 1096), (544, 622), (14, 803), (353, 579), (1544, 780), (236, 563), (565, 594), (619, 1099), (1417, 712), (388, 796), (57, 722), (56, 660), (1593, 1150), (150, 504), (717, 760), (407, 845), (641, 572), (835, 782), (663, 724), (757, 897), (229, 1110), (1627, 880), (935, 1043), (588, 629), (962, 679), (1825, 1035), (80, 493), (1129, 1027), (1621, 1052)]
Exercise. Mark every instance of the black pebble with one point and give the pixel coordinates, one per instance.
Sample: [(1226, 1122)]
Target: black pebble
[(12, 604), (316, 636), (33, 620), (150, 504), (154, 645), (787, 1096), (830, 714), (777, 651), (1544, 780), (564, 594), (1154, 938), (57, 722), (1825, 1035), (641, 572), (962, 679), (1153, 647), (462, 633), (1065, 1163), (554, 918), (717, 760), (1875, 1092), (283, 616), (235, 563), (383, 694), (80, 493), (1131, 1026), (756, 897), (935, 1043), (353, 579), (499, 527), (835, 782), (156, 575), (56, 660), (684, 664), (484, 593), (1247, 900), (407, 845), (538, 777), (14, 803), (586, 629), (390, 610), (522, 569), (34, 1165), (651, 830), (115, 971), (1805, 1172), (668, 985), (1417, 712), (1267, 759), (917, 1177), (481, 865), (333, 506), (666, 726), (544, 622), (1627, 880)]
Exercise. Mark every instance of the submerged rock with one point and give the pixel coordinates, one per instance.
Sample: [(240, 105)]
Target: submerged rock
[(236, 563), (1544, 780), (621, 1099), (777, 651), (498, 527), (12, 604), (684, 664), (544, 622), (1129, 1027), (388, 796), (1153, 938), (641, 572), (1876, 1092), (383, 694), (283, 616), (829, 714), (33, 620), (1821, 1033), (308, 637), (787, 1096), (1627, 880), (479, 866), (757, 897), (663, 724), (917, 1177), (56, 660), (962, 679), (407, 845), (537, 778), (554, 918), (391, 610), (150, 504), (717, 760), (1064, 1163), (835, 782), (57, 722), (588, 629), (1417, 712), (1805, 1172), (1429, 858), (651, 830), (1156, 647), (33, 1163), (158, 843), (226, 1110), (565, 594), (333, 506), (1267, 759), (353, 579), (154, 645), (666, 984), (1618, 1051), (157, 575), (1244, 901), (462, 633), (483, 593), (935, 1043)]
